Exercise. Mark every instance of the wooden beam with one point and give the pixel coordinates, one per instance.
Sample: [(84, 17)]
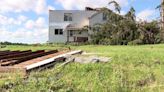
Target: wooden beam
[(50, 60)]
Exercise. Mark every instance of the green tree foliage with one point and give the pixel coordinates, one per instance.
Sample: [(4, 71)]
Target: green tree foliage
[(124, 29), (150, 33)]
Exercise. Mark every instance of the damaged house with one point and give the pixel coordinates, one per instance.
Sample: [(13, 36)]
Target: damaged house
[(68, 25)]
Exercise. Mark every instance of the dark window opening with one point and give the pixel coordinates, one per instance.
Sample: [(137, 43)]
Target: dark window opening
[(67, 16), (70, 33), (58, 31), (61, 32)]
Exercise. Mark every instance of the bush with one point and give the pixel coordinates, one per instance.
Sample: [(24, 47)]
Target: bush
[(124, 30), (128, 34), (10, 43), (135, 42)]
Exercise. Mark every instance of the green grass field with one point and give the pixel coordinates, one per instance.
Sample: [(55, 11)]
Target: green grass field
[(132, 69)]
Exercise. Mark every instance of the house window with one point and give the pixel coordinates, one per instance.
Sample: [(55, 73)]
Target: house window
[(58, 31), (67, 16), (61, 32), (104, 16), (70, 33)]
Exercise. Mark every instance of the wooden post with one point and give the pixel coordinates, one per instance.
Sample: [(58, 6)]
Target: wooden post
[(162, 13), (67, 36)]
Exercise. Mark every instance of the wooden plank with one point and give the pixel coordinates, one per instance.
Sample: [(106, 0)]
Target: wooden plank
[(50, 60), (4, 51), (8, 53), (35, 60), (29, 57), (16, 54), (16, 58)]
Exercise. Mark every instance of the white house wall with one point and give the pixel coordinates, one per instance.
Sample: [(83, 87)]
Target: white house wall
[(97, 19), (57, 38), (79, 18)]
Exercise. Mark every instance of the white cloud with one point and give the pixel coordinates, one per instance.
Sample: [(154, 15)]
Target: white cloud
[(38, 6), (4, 20), (22, 18), (25, 36), (20, 28), (39, 23), (147, 14), (31, 31), (29, 24), (41, 7), (81, 4), (51, 8), (16, 5)]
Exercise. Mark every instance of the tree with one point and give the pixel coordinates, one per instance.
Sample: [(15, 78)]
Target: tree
[(124, 29), (116, 5), (131, 14), (161, 7)]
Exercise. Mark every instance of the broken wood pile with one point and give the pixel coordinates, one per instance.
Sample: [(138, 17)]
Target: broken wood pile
[(15, 57), (11, 61)]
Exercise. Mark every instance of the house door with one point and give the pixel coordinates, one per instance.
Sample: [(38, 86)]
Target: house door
[(74, 38), (70, 35)]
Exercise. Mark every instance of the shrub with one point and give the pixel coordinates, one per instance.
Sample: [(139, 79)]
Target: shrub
[(135, 42)]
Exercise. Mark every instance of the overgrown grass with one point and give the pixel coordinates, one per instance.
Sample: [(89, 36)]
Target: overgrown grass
[(132, 69)]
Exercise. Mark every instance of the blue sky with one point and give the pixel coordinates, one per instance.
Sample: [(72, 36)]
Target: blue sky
[(26, 21)]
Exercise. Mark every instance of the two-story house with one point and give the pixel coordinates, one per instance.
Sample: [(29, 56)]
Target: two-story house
[(67, 25)]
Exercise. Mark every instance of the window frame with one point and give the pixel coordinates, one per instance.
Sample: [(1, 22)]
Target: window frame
[(68, 17), (58, 31)]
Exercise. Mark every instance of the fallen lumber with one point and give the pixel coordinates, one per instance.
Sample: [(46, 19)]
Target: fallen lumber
[(29, 57), (25, 55), (50, 60), (4, 51), (8, 53), (16, 54)]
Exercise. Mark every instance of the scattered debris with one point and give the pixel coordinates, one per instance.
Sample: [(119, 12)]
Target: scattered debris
[(88, 59), (68, 60), (85, 53), (52, 59)]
